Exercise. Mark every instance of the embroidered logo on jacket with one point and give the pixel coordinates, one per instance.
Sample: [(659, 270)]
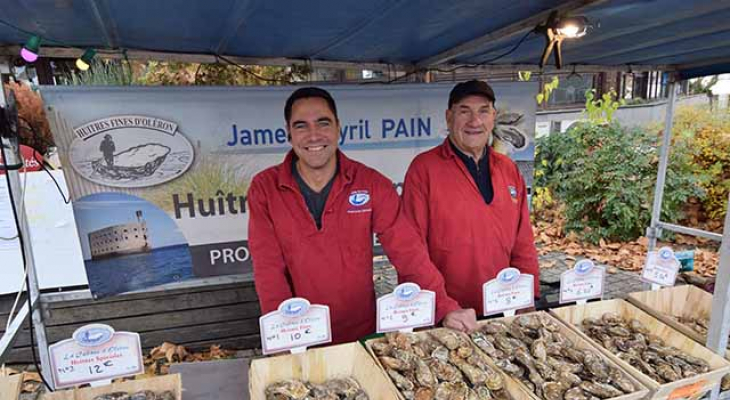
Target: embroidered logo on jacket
[(358, 199)]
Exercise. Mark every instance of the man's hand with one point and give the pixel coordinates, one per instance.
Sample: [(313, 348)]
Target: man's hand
[(464, 320)]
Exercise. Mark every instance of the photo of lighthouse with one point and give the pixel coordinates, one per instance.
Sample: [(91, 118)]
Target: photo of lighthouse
[(129, 244)]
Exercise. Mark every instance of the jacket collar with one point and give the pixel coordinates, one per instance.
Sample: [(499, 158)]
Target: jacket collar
[(286, 178), (446, 151)]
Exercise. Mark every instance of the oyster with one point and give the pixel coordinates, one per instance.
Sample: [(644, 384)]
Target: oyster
[(113, 396), (143, 395), (538, 349), (447, 338), (423, 393), (600, 390), (395, 363), (575, 393), (424, 376), (380, 348), (400, 381), (166, 395), (553, 391), (289, 389)]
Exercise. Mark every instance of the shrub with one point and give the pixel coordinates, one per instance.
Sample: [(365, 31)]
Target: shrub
[(605, 175)]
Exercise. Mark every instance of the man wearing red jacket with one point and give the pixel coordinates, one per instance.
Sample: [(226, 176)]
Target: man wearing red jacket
[(468, 202), (311, 225)]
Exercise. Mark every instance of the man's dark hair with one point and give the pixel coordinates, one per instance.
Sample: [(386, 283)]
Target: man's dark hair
[(305, 93)]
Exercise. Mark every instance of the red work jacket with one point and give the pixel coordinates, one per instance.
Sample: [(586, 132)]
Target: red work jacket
[(469, 240), (334, 266)]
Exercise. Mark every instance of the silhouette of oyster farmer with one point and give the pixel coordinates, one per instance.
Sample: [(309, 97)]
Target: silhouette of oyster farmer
[(107, 148)]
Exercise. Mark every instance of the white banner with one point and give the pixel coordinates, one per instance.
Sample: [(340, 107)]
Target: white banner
[(159, 176)]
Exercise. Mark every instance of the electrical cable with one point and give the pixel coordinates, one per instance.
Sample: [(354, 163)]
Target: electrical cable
[(35, 134), (448, 71), (21, 239), (22, 210)]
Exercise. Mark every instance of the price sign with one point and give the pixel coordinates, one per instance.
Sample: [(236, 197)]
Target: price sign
[(508, 292), (95, 353), (295, 326), (406, 308), (661, 267), (584, 281)]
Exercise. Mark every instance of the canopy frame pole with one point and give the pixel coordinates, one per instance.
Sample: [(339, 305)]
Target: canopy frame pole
[(6, 344), (654, 230), (717, 337)]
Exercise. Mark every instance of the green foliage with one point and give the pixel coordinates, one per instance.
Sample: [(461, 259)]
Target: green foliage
[(153, 73), (705, 136), (601, 111), (605, 175), (104, 73)]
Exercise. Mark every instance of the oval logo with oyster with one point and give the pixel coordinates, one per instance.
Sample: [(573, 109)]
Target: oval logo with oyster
[(130, 151)]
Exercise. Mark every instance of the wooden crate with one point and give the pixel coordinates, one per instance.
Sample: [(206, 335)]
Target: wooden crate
[(678, 301), (170, 382), (318, 365), (684, 388), (10, 386), (516, 390), (581, 343)]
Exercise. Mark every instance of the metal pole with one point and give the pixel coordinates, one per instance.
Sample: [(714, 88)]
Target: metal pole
[(36, 315), (719, 330), (653, 231)]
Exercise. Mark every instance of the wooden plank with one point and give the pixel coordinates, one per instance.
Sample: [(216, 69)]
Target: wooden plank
[(156, 322), (10, 386), (201, 333), (156, 384), (152, 295), (92, 311)]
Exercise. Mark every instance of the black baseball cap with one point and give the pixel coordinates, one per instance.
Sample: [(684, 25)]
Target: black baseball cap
[(471, 88)]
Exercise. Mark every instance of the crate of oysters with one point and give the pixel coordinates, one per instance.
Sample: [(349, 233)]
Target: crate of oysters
[(164, 387), (344, 371), (442, 364), (685, 308), (552, 361), (670, 364)]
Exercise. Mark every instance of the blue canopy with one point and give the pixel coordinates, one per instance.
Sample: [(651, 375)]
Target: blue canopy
[(691, 37)]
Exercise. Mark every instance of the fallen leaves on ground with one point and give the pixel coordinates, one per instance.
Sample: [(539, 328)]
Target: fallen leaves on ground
[(628, 256), (158, 361)]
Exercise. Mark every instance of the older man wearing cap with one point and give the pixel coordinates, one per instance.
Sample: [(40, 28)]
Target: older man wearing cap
[(468, 202)]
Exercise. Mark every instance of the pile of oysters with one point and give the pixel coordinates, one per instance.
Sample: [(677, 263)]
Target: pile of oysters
[(532, 349), (440, 364), (632, 342), (333, 389), (141, 395)]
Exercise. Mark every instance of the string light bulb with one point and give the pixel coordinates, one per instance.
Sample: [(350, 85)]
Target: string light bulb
[(30, 50), (84, 61)]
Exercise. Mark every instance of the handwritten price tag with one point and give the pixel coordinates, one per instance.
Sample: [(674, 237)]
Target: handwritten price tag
[(95, 353), (584, 281), (406, 308), (661, 267), (295, 326), (508, 292)]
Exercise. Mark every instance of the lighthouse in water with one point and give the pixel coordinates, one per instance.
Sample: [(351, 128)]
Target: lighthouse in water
[(120, 239)]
